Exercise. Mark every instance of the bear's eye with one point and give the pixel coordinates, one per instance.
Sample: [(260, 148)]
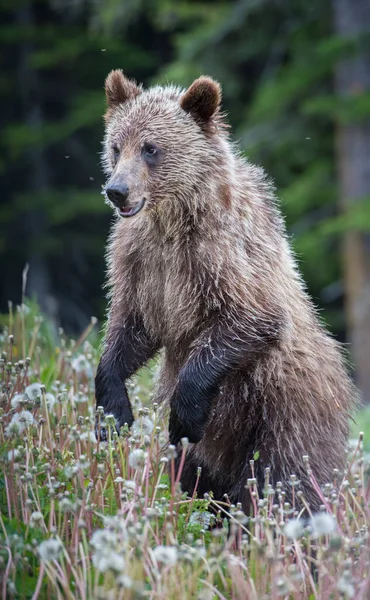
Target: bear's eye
[(116, 154), (149, 152)]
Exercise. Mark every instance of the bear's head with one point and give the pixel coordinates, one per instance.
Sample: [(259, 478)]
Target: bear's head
[(162, 145)]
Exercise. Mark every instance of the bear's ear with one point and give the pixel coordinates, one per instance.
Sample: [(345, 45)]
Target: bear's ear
[(202, 99), (119, 89)]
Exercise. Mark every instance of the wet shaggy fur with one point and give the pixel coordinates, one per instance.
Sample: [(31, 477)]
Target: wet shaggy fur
[(205, 272)]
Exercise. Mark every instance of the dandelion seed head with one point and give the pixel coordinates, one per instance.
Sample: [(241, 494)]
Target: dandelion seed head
[(201, 518), (69, 471), (101, 538), (124, 581), (142, 426), (353, 443), (116, 525), (162, 486), (50, 400), (107, 544), (65, 505), (50, 550), (108, 561), (82, 463), (171, 452), (33, 391), (88, 436), (110, 420), (345, 585), (282, 586), (81, 398), (234, 560), (294, 529), (19, 423), (166, 555), (136, 458), (36, 519), (322, 524), (81, 364), (130, 484), (119, 480), (18, 400)]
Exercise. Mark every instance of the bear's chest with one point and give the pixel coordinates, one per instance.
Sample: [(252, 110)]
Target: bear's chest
[(168, 295)]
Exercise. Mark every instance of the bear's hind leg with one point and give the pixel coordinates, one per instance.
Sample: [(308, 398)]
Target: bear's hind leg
[(207, 482)]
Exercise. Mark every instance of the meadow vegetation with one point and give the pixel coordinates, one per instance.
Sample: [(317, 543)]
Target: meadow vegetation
[(83, 520)]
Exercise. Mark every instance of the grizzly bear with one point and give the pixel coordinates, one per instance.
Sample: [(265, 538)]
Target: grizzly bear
[(200, 266)]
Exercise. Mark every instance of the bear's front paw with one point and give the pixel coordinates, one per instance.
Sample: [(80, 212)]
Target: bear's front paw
[(103, 424), (180, 429), (101, 432)]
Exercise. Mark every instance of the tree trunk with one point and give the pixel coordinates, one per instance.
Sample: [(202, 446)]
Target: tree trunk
[(351, 19)]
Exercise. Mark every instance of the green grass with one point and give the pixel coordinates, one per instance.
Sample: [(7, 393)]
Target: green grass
[(362, 423), (87, 520)]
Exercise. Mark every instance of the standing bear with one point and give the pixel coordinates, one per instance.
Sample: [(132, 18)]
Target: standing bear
[(200, 266)]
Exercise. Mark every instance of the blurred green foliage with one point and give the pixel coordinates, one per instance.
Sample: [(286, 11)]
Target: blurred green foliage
[(275, 60)]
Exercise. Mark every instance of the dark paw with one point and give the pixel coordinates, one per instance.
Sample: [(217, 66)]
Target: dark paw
[(101, 433), (102, 428), (177, 430)]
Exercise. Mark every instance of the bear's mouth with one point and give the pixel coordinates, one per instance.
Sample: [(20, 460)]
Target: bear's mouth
[(130, 211)]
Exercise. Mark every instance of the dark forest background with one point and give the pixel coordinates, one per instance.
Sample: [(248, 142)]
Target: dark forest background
[(296, 81)]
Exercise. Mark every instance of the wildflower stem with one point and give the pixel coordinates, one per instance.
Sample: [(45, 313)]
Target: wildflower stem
[(39, 582), (7, 570)]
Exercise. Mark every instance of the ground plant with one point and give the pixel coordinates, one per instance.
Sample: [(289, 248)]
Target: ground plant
[(81, 519)]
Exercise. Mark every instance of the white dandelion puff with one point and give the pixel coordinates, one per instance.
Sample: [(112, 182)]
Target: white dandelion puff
[(65, 505), (130, 484), (80, 364), (50, 400), (345, 586), (19, 423), (142, 426), (81, 464), (101, 538), (108, 560), (36, 519), (136, 458), (116, 525), (18, 400), (105, 543), (50, 550), (322, 524), (80, 398), (353, 443), (119, 480), (294, 529), (165, 555), (33, 391), (88, 436), (124, 581), (203, 519)]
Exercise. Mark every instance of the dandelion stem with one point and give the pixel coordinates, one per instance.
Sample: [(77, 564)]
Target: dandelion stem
[(39, 582)]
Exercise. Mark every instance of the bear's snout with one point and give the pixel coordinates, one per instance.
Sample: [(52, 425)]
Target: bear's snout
[(118, 194)]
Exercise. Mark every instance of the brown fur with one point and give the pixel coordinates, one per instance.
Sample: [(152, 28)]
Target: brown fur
[(202, 100), (208, 259), (119, 89)]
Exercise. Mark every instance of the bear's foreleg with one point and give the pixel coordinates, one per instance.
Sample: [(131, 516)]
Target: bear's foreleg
[(127, 348), (225, 346)]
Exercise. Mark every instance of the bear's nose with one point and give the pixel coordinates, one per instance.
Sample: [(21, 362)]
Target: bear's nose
[(118, 194)]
